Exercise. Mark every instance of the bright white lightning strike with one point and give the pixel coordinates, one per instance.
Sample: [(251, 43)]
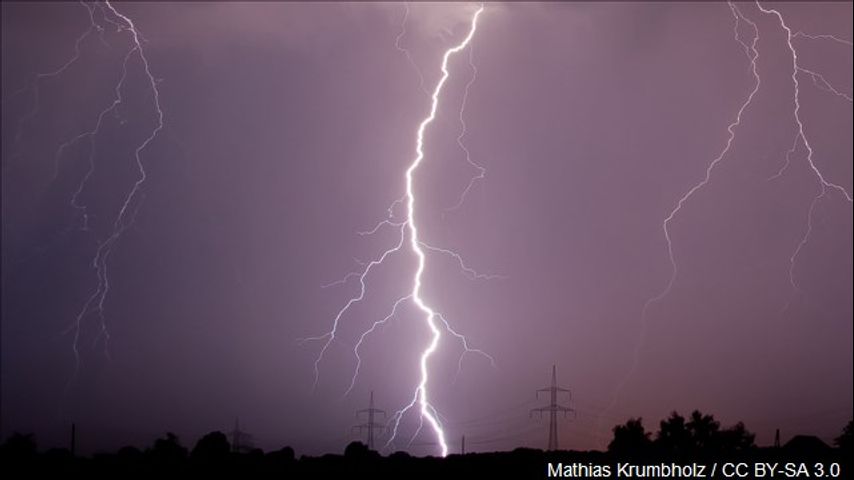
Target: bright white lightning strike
[(408, 229), (421, 395)]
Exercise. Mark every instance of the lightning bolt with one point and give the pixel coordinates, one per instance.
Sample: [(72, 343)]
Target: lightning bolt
[(801, 139), (753, 55), (421, 395), (126, 216), (107, 15), (409, 235), (35, 85)]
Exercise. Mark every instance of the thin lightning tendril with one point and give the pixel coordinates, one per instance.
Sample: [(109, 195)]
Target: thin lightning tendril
[(406, 52), (468, 271), (330, 335), (481, 171), (34, 85), (788, 159), (91, 134), (821, 83), (466, 349), (365, 334), (832, 38)]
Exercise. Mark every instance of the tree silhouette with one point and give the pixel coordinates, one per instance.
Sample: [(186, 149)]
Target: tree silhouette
[(704, 431), (673, 436), (736, 439), (630, 438), (701, 433)]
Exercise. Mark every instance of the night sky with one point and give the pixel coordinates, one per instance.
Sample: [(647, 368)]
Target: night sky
[(288, 128)]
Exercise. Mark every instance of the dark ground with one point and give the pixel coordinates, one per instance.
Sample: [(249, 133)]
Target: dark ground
[(695, 440)]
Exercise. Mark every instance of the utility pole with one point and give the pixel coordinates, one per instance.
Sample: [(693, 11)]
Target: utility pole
[(370, 425), (777, 439), (553, 408), (463, 446)]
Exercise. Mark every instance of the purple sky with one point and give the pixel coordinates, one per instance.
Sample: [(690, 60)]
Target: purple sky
[(288, 128)]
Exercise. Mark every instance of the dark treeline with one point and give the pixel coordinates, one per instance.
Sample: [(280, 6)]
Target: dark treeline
[(679, 437), (697, 438)]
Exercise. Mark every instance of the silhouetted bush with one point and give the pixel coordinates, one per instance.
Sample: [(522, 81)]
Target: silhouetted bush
[(211, 448), (356, 450)]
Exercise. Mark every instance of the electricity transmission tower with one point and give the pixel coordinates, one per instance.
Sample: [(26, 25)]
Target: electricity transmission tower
[(241, 441), (553, 408), (370, 425)]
